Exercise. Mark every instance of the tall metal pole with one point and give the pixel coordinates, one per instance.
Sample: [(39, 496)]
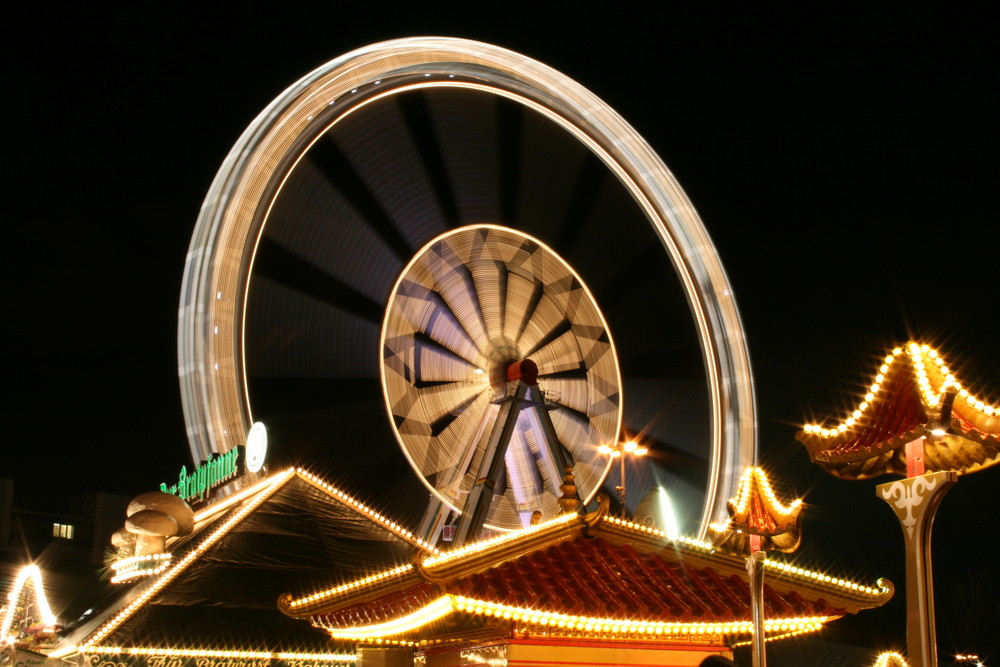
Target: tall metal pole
[(755, 568), (622, 497), (620, 449)]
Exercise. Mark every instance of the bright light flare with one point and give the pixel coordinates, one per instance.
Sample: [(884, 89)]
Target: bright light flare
[(667, 514)]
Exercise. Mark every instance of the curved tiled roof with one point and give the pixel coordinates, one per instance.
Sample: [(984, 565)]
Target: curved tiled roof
[(589, 577), (588, 574), (756, 511), (914, 395)]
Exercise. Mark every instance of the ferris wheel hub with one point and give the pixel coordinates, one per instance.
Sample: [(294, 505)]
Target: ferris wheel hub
[(525, 370), (502, 354)]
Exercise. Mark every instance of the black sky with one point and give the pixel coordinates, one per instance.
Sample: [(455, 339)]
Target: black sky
[(845, 167)]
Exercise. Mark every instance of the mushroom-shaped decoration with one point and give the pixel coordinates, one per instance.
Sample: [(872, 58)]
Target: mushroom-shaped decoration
[(151, 528), (152, 517), (168, 504), (124, 542)]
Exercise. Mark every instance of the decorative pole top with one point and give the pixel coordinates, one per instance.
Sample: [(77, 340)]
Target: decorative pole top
[(758, 521), (569, 501)]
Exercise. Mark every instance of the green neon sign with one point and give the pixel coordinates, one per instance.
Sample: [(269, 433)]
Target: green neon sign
[(201, 480)]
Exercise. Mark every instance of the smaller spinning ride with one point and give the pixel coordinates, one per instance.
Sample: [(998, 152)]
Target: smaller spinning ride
[(479, 321)]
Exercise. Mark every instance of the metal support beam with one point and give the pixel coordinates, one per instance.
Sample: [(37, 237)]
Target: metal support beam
[(433, 522), (477, 506), (755, 568), (559, 455)]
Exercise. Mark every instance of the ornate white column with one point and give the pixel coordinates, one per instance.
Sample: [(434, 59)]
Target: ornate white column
[(915, 501)]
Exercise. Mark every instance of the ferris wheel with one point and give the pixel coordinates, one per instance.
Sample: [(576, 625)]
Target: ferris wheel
[(310, 297)]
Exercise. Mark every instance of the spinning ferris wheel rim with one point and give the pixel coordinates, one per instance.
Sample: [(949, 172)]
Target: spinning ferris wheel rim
[(214, 290), (588, 480)]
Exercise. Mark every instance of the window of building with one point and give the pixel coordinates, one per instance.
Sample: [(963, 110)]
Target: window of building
[(62, 530)]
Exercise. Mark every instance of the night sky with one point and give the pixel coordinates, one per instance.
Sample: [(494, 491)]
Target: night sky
[(846, 170)]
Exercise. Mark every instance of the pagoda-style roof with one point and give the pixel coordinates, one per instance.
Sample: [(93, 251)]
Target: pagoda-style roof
[(582, 576), (914, 395), (756, 511), (216, 595)]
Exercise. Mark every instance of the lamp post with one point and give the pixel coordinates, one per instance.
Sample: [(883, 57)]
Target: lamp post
[(619, 450)]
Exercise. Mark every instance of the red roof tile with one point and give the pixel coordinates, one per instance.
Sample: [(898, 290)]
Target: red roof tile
[(590, 577)]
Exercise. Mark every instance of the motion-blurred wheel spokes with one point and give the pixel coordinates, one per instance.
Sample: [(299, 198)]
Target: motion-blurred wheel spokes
[(471, 302)]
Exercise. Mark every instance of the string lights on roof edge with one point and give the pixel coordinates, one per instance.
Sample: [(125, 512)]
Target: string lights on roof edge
[(756, 511), (298, 606), (563, 624), (915, 397), (212, 653), (436, 602), (254, 496), (890, 659), (931, 395)]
